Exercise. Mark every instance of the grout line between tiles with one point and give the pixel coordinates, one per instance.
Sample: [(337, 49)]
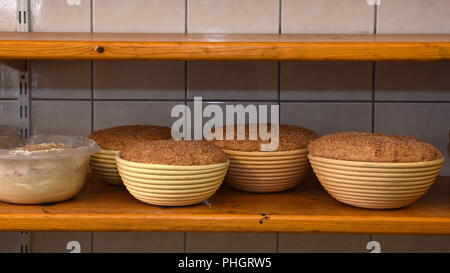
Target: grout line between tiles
[(279, 65), (278, 243), (186, 65), (92, 242), (186, 14), (374, 68), (92, 71), (375, 19), (232, 100), (92, 96), (186, 82), (92, 16), (185, 242), (279, 92), (9, 99), (280, 12)]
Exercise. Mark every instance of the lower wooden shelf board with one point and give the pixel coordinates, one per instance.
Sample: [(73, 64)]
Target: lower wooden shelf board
[(104, 207)]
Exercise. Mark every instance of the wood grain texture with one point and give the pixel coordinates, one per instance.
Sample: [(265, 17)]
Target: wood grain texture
[(104, 207), (257, 47)]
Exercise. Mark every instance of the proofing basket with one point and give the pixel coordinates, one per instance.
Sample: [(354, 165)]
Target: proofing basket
[(169, 185), (103, 164), (375, 185), (267, 171)]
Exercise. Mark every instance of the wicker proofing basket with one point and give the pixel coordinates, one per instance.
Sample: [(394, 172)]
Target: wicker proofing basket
[(267, 171), (375, 185), (103, 164), (168, 185)]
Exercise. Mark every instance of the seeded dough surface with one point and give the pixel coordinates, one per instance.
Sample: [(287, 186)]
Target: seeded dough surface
[(173, 152), (290, 138), (43, 147), (117, 138), (373, 147)]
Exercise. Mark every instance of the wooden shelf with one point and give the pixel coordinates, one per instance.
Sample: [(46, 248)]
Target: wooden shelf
[(102, 207), (263, 47)]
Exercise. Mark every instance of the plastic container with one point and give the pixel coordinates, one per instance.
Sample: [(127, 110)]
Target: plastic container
[(36, 177)]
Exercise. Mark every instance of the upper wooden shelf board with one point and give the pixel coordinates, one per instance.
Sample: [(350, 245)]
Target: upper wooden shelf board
[(103, 207), (263, 47)]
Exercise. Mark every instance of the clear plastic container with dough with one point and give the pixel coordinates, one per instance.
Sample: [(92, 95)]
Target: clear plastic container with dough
[(45, 175)]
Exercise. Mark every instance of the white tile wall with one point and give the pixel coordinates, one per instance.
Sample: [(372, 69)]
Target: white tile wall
[(412, 81), (151, 16), (413, 243), (233, 80), (233, 16), (344, 81), (62, 16), (413, 16), (147, 242), (139, 80), (10, 77), (61, 79), (426, 121), (115, 113), (9, 112), (61, 117), (8, 15), (9, 242), (57, 242), (323, 243), (328, 117), (327, 16), (231, 242)]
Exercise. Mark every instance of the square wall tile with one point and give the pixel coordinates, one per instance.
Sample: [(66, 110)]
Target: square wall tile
[(428, 122), (326, 81), (323, 243), (134, 242), (114, 113), (327, 16), (9, 242), (413, 243), (61, 79), (61, 117), (60, 16), (328, 117), (139, 80), (412, 81), (10, 78), (58, 242), (413, 16), (231, 242), (233, 80), (9, 112), (8, 15), (233, 16), (149, 16)]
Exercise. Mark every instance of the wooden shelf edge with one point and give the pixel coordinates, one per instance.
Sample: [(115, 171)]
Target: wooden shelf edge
[(281, 47), (306, 209), (232, 223)]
